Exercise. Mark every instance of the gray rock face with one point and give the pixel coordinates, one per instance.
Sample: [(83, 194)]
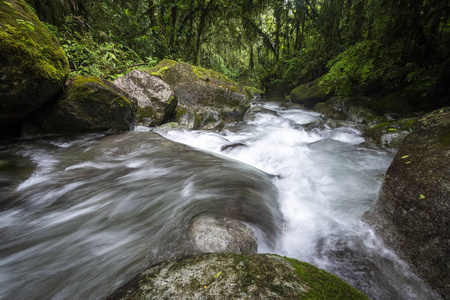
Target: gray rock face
[(222, 235), (91, 104), (412, 212), (232, 276), (156, 100), (214, 100)]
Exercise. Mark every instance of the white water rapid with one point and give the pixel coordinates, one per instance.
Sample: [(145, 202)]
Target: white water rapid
[(78, 216)]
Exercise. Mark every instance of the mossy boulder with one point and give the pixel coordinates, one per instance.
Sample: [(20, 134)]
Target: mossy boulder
[(33, 66), (333, 108), (390, 133), (206, 92), (355, 109), (156, 100), (311, 93), (412, 212), (252, 92), (234, 276), (91, 104)]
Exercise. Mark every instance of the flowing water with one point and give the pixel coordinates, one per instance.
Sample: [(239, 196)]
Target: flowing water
[(80, 215)]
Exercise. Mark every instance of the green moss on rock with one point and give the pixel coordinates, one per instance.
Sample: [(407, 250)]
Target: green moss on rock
[(162, 67), (91, 104), (311, 93), (33, 65), (323, 285), (252, 91)]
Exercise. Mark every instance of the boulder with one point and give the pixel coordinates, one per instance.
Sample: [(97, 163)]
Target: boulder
[(90, 104), (354, 109), (333, 108), (252, 92), (311, 93), (156, 100), (222, 235), (390, 133), (187, 117), (212, 96), (412, 212), (234, 276), (33, 66)]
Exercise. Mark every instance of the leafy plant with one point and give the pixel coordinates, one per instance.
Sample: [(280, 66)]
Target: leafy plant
[(88, 57)]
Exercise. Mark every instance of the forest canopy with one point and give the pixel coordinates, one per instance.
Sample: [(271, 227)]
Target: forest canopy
[(362, 47)]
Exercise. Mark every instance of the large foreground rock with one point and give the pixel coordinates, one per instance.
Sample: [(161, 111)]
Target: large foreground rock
[(233, 276), (412, 212), (91, 104), (207, 99), (156, 100), (33, 67)]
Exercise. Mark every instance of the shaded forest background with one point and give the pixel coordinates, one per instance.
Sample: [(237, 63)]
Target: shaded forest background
[(361, 47)]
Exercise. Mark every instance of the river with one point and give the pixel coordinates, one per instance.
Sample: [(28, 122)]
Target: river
[(80, 215)]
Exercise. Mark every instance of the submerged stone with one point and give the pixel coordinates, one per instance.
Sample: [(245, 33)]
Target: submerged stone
[(222, 235), (33, 66), (235, 276)]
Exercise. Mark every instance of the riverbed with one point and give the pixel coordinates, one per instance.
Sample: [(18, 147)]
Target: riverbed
[(79, 215)]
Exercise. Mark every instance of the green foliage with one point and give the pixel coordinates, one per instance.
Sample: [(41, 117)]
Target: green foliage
[(364, 47), (88, 57), (365, 67)]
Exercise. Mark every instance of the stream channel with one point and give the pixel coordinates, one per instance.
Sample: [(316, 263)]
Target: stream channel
[(80, 215)]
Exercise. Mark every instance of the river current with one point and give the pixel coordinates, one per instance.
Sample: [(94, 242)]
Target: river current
[(80, 215)]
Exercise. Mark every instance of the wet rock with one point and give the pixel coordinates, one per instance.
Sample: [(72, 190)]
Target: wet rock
[(207, 93), (290, 105), (352, 109), (211, 120), (252, 92), (91, 104), (232, 146), (390, 133), (333, 108), (233, 276), (156, 100), (222, 235), (254, 111), (412, 212), (311, 93), (33, 67), (187, 117)]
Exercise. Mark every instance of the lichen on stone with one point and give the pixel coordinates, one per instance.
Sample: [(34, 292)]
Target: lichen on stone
[(236, 276)]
